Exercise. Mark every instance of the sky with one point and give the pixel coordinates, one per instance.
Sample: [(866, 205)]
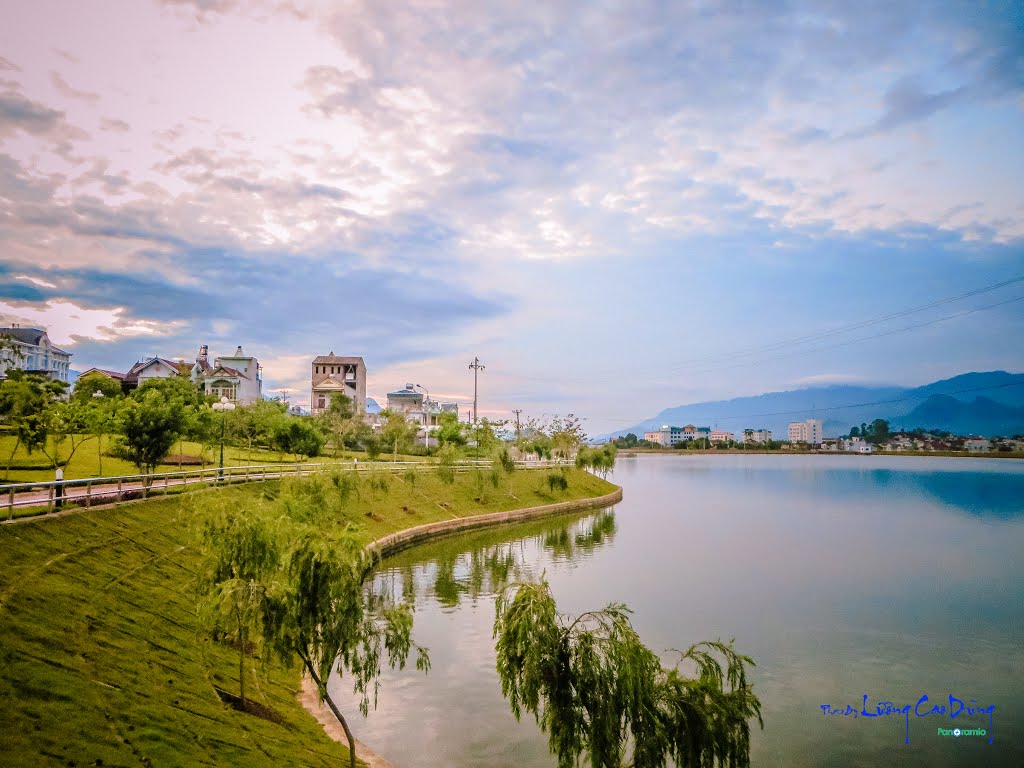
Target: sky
[(618, 207)]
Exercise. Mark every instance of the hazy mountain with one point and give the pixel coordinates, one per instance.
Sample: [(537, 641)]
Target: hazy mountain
[(982, 403)]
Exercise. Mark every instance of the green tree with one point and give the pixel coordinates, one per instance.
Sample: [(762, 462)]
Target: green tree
[(321, 617), (243, 557), (255, 423), (452, 431), (24, 401), (879, 429), (298, 435), (398, 433), (601, 695), (150, 422), (87, 386)]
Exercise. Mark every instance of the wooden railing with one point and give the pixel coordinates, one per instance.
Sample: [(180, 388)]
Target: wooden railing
[(38, 498)]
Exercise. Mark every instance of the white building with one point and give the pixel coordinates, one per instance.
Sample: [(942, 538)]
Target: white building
[(808, 431), (977, 445), (334, 374), (33, 352), (156, 368), (237, 377), (757, 435), (666, 436)]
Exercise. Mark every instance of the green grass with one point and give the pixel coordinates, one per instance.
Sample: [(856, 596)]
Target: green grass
[(35, 467), (102, 658)]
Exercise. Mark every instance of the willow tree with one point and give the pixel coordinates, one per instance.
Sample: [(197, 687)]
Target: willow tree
[(243, 555), (600, 694), (323, 617)]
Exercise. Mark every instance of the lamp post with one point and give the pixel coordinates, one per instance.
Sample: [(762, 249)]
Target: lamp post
[(222, 407), (426, 415)]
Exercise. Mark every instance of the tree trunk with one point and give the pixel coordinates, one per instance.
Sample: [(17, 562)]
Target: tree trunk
[(10, 459), (241, 663), (341, 718)]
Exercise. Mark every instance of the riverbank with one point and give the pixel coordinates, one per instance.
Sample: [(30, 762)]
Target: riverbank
[(105, 662), (627, 452)]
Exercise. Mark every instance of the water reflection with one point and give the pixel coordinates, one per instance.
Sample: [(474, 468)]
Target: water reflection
[(482, 563), (841, 576)]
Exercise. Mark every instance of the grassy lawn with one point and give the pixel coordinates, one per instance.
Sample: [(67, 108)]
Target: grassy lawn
[(102, 658), (35, 467)]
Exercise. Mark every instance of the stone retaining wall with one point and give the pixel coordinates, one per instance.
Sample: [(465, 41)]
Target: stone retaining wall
[(400, 540)]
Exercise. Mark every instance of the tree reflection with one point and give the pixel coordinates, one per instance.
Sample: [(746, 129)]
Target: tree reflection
[(482, 563)]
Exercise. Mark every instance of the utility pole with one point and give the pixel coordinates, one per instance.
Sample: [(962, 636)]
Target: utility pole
[(476, 368), (517, 411)]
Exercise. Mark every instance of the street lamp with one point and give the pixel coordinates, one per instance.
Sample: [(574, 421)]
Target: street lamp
[(426, 415), (222, 407), (97, 393)]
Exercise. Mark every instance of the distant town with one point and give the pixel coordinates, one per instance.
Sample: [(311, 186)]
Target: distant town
[(807, 435)]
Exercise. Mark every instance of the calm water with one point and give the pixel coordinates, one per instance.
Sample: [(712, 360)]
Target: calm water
[(840, 575)]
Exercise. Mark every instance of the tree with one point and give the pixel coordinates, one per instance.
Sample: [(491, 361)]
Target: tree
[(150, 423), (600, 460), (243, 556), (298, 435), (24, 400), (879, 429), (256, 422), (600, 694), (87, 386), (321, 617), (452, 431), (65, 422), (398, 433), (566, 435), (341, 424)]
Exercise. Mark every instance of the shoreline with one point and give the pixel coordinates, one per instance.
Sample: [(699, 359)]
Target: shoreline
[(627, 452), (420, 534)]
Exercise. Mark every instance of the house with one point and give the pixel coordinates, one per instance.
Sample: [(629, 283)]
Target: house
[(120, 378), (719, 436), (757, 435), (155, 368), (237, 377), (333, 374), (831, 444), (977, 445), (31, 350)]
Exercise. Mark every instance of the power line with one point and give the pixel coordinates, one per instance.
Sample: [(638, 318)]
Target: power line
[(783, 344)]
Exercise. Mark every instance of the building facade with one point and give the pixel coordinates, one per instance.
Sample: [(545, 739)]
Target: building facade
[(332, 375), (237, 377), (808, 431), (757, 435), (30, 349), (720, 436)]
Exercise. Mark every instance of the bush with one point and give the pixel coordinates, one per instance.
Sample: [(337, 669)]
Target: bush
[(557, 481)]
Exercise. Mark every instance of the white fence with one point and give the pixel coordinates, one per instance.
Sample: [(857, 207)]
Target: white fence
[(46, 497)]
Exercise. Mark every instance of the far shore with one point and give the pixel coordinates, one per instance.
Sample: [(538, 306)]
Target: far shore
[(625, 452)]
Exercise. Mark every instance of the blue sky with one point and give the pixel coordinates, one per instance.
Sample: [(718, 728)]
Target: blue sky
[(615, 205)]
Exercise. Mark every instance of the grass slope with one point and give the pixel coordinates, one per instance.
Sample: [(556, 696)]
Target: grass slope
[(103, 661)]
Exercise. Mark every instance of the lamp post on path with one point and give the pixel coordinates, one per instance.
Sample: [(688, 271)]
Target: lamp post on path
[(222, 408)]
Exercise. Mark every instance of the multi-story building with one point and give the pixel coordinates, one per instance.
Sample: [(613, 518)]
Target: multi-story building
[(237, 377), (333, 374), (720, 436), (808, 431), (757, 435), (30, 350), (666, 436), (417, 407)]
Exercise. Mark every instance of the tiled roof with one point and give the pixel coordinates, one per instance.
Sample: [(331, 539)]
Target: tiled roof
[(24, 335), (105, 372), (337, 360)]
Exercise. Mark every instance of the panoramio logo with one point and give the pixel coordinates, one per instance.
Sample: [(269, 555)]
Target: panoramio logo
[(962, 732)]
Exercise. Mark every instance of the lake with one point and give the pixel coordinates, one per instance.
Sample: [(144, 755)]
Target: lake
[(842, 576)]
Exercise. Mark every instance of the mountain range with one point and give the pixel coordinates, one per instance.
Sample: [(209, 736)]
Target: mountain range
[(988, 403)]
